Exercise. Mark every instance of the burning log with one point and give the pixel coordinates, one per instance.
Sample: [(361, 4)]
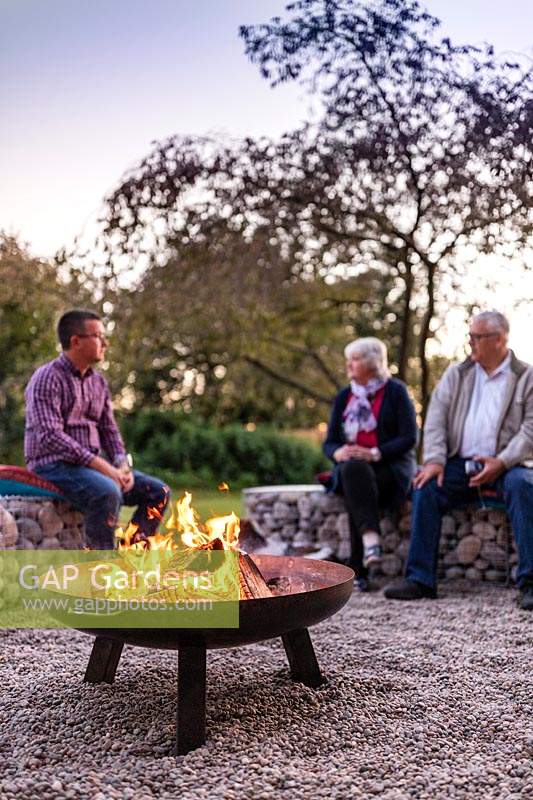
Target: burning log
[(217, 533), (251, 582)]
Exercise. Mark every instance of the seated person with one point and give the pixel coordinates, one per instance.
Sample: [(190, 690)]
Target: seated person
[(69, 420), (481, 411), (371, 436)]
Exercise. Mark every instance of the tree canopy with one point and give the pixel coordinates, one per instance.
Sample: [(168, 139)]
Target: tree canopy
[(32, 296), (429, 142), (420, 160)]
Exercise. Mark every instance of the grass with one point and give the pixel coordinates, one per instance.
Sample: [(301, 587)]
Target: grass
[(207, 502)]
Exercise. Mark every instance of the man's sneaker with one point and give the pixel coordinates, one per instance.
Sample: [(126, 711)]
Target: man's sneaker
[(525, 600), (372, 556), (408, 590)]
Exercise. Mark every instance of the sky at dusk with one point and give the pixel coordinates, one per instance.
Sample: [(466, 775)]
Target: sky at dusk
[(86, 87)]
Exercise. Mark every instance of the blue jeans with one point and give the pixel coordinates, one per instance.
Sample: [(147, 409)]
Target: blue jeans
[(431, 502), (99, 498)]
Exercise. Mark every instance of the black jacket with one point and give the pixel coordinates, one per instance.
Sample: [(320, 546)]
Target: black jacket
[(396, 433)]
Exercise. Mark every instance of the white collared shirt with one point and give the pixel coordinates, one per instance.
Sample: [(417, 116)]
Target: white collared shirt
[(479, 432)]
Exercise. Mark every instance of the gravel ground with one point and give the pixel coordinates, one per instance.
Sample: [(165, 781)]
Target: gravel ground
[(426, 700)]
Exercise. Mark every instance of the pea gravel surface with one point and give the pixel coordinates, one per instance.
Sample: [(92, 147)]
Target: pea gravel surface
[(431, 699)]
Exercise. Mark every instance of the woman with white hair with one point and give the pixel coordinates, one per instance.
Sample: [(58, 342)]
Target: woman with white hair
[(371, 438)]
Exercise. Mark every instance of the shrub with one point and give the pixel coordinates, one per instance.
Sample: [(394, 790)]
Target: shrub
[(185, 450)]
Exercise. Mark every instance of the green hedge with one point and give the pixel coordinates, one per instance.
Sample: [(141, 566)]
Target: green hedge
[(188, 451)]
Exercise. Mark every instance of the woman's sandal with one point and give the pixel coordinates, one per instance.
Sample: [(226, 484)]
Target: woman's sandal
[(372, 555)]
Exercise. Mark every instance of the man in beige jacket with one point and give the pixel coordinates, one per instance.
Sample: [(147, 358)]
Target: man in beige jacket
[(478, 433)]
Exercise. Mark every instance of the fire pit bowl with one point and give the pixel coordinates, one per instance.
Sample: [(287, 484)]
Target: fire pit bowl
[(317, 590)]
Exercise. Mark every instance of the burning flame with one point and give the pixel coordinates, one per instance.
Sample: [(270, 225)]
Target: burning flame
[(184, 522)]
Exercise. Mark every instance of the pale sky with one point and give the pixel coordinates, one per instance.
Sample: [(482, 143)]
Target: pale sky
[(86, 86)]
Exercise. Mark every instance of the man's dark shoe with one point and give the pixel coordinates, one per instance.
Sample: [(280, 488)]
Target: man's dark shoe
[(525, 600), (408, 590)]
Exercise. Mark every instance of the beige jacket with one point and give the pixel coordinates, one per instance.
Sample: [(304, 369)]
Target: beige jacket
[(449, 406)]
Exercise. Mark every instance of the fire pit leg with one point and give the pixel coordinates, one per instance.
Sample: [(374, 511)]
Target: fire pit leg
[(302, 658), (191, 698), (103, 661)]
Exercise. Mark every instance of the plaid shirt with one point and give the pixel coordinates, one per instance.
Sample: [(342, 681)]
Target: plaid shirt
[(69, 417)]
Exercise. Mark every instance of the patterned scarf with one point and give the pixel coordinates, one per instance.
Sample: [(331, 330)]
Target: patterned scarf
[(358, 415)]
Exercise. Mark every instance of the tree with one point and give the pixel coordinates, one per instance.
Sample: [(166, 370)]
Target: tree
[(423, 154), (220, 328), (32, 296), (431, 142)]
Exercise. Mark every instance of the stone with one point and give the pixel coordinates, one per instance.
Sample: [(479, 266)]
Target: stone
[(387, 525), (464, 529), (302, 539), (497, 517), (481, 564), (494, 555), (502, 537), (450, 558), (405, 524), (8, 529), (25, 544), (268, 521), (332, 503), (274, 545), (288, 531), (403, 548), (291, 498), (71, 516), (251, 503), (49, 520), (455, 572), (22, 507), (66, 543), (448, 524), (281, 511), (473, 574), (391, 542), (391, 565), (326, 534), (344, 550), (304, 506), (327, 528), (30, 529), (484, 530), (343, 526), (460, 515), (494, 575), (50, 543), (468, 549)]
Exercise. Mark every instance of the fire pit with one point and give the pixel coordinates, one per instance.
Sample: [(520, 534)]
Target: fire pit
[(308, 592)]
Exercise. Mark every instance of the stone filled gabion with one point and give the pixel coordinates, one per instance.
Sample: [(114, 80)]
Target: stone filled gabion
[(39, 523), (474, 544)]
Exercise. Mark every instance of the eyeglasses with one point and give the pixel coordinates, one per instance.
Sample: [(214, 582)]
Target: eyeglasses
[(100, 336), (476, 337)]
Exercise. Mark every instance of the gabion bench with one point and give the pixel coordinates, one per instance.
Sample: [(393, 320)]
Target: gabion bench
[(475, 543), (34, 514)]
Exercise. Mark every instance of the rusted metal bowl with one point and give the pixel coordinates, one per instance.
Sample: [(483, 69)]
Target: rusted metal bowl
[(322, 589)]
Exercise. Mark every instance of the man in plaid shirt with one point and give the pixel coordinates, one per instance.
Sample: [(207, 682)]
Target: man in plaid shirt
[(69, 421)]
